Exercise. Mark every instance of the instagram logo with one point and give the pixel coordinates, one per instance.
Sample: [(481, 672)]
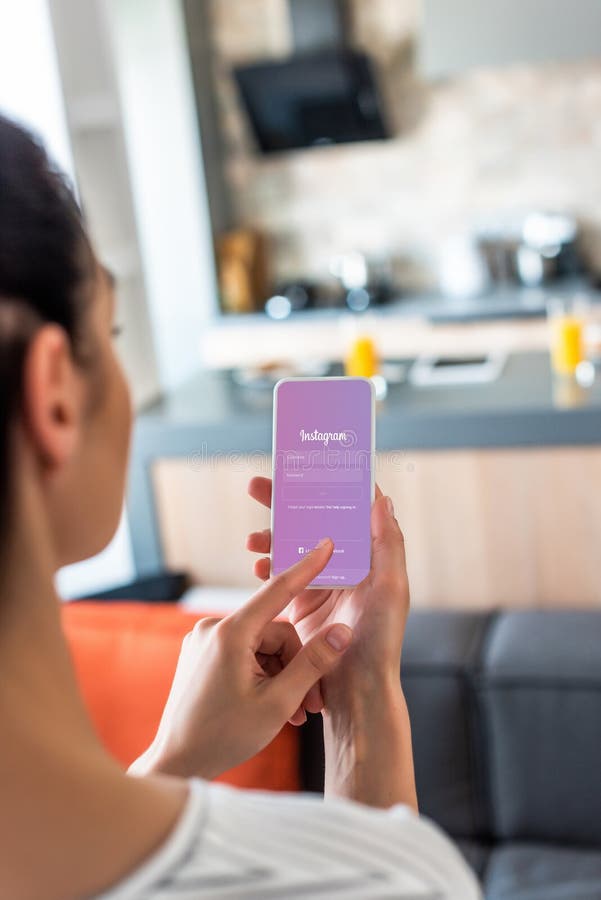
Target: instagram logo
[(350, 438), (324, 437)]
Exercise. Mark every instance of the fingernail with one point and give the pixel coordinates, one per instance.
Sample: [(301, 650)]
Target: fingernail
[(324, 542), (339, 637), (389, 506)]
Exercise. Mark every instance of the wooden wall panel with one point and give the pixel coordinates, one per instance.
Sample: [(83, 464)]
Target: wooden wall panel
[(512, 528)]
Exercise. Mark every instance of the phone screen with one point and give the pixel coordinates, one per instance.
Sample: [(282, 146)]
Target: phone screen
[(323, 474)]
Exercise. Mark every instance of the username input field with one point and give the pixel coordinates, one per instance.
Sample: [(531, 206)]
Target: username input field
[(320, 476)]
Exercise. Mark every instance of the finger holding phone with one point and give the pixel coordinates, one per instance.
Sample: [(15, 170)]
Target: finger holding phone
[(367, 731), (241, 678), (376, 609)]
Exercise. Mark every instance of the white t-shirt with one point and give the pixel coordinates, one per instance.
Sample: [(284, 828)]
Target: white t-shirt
[(243, 844)]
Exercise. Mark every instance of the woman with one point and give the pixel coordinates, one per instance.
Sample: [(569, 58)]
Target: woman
[(72, 823)]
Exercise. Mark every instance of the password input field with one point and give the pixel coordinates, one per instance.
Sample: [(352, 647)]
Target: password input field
[(322, 491)]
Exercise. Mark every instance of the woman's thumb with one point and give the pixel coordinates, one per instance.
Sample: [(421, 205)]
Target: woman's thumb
[(318, 657)]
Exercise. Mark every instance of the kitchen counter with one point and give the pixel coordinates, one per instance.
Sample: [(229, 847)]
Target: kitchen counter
[(506, 319), (501, 302), (212, 416)]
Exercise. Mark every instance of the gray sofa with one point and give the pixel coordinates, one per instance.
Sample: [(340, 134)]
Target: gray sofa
[(506, 718)]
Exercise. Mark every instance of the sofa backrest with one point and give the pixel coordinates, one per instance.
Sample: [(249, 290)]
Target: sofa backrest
[(505, 711), (539, 695), (506, 722), (442, 652), (125, 656)]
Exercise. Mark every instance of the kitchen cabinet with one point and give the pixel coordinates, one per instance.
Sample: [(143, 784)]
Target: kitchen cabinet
[(468, 33)]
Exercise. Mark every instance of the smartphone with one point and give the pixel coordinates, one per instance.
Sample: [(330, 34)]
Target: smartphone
[(323, 475)]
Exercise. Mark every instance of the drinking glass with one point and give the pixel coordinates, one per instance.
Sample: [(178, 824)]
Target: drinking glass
[(567, 319)]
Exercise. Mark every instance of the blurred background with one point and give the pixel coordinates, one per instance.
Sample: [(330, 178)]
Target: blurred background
[(404, 189)]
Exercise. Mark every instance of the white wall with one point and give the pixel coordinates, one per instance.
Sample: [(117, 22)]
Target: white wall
[(95, 122), (131, 94), (30, 88), (166, 169), (30, 91)]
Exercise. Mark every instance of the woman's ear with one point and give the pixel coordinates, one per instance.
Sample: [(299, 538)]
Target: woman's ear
[(52, 397)]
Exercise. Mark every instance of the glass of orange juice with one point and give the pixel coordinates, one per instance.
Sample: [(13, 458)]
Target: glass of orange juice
[(362, 357), (567, 319)]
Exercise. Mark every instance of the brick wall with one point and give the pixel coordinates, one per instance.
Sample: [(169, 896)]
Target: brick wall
[(467, 148)]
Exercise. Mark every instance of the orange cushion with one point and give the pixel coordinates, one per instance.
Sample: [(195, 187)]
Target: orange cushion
[(125, 656)]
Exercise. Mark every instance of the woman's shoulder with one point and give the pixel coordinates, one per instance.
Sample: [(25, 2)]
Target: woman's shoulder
[(243, 843), (173, 855)]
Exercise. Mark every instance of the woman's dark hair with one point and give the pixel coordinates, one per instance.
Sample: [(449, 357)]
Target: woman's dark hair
[(46, 264)]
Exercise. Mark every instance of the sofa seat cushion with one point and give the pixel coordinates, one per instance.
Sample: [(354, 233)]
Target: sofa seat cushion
[(543, 872), (476, 855), (125, 656)]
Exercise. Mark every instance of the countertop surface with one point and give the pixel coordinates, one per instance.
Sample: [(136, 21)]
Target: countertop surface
[(503, 301), (525, 406)]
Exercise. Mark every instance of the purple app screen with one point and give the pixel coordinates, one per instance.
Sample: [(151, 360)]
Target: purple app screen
[(322, 475)]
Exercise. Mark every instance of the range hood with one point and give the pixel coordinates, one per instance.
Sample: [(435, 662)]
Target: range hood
[(325, 93)]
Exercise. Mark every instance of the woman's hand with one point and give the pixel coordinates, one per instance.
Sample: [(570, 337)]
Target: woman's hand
[(239, 679), (376, 609), (367, 733)]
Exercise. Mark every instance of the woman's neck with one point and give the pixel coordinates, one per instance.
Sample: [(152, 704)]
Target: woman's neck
[(66, 804), (37, 682)]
